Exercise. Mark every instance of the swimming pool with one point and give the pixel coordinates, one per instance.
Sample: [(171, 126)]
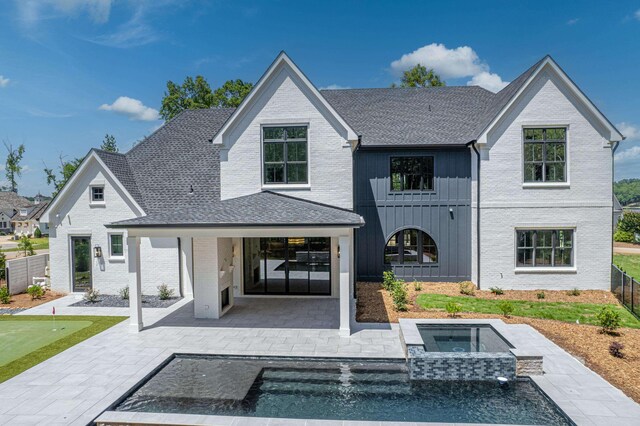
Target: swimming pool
[(303, 388)]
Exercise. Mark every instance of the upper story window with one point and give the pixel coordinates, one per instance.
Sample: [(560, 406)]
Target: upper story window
[(97, 194), (410, 246), (23, 212), (412, 173), (544, 248), (285, 155), (545, 154)]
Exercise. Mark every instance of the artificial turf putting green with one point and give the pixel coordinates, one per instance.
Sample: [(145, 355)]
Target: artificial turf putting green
[(27, 340)]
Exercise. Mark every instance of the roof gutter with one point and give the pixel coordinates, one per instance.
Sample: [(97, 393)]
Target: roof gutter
[(473, 144)]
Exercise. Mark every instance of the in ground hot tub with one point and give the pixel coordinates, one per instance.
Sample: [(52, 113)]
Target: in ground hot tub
[(462, 338)]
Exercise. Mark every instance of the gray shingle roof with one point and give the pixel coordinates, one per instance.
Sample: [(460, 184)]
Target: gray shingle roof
[(33, 212), (412, 116), (262, 209), (119, 166), (11, 201)]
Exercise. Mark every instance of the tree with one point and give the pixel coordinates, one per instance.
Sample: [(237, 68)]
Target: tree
[(26, 246), (627, 191), (13, 169), (66, 170), (197, 94), (420, 76), (109, 143)]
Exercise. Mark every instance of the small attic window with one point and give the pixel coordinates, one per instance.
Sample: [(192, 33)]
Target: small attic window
[(23, 212), (97, 194)]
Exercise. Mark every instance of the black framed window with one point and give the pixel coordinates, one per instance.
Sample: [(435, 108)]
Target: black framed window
[(116, 245), (97, 193), (412, 173), (544, 248), (545, 155), (410, 246), (285, 155)]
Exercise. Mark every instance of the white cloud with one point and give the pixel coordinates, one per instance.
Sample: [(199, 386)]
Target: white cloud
[(33, 11), (459, 62), (637, 15), (628, 155), (490, 81), (4, 82), (132, 108), (132, 33), (573, 21), (629, 131), (334, 87)]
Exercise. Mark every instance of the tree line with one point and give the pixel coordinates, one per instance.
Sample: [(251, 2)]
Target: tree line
[(627, 191)]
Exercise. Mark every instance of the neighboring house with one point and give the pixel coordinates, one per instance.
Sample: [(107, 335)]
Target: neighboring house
[(300, 192), (617, 212), (6, 226), (27, 220), (10, 204)]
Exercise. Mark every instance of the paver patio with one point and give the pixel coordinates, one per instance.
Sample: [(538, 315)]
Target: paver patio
[(75, 386)]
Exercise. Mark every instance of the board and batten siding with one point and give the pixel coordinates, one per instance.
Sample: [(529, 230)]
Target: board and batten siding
[(444, 213)]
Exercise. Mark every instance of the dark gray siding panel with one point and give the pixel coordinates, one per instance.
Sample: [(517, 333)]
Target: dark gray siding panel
[(444, 214)]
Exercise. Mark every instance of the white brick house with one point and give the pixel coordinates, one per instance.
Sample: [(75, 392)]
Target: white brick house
[(299, 192)]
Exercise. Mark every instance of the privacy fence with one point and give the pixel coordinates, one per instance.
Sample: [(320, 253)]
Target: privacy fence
[(626, 289), (20, 272)]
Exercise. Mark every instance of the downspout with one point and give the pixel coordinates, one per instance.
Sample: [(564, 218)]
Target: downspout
[(353, 201), (473, 145), (613, 179)]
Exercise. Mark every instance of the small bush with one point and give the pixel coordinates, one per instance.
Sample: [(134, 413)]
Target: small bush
[(574, 292), (124, 293), (630, 222), (624, 237), (35, 291), (164, 292), (37, 233), (453, 308), (5, 297), (91, 295), (615, 349), (26, 246), (417, 286), (608, 319), (399, 295), (388, 280), (3, 264), (540, 295), (497, 291), (506, 308), (467, 288)]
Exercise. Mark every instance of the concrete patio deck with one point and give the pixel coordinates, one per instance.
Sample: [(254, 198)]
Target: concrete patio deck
[(77, 385)]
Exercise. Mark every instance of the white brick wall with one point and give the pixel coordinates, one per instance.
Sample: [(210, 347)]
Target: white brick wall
[(159, 257), (586, 202), (286, 100)]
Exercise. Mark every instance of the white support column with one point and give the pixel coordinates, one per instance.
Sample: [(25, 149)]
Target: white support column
[(344, 244), (135, 284), (186, 265)]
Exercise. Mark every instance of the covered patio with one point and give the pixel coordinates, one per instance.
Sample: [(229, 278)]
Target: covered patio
[(245, 258)]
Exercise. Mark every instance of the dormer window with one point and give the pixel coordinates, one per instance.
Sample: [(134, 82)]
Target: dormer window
[(97, 194), (23, 212), (285, 155)]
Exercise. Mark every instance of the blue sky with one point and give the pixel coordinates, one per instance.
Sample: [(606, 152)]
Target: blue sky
[(73, 70)]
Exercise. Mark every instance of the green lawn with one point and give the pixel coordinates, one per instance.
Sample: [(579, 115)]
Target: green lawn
[(561, 311), (630, 263), (27, 340), (38, 244)]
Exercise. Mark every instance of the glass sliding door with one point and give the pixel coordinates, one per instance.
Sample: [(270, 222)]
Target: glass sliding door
[(81, 263), (296, 266)]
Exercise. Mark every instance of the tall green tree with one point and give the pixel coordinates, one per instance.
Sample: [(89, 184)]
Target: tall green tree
[(627, 191), (420, 76), (13, 169), (65, 171), (197, 94), (109, 143)]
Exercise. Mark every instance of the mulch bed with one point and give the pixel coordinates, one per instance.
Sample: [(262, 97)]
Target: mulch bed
[(24, 300), (585, 342), (115, 301), (626, 245)]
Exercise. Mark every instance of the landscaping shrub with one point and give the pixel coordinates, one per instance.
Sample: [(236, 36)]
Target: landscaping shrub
[(388, 279), (164, 292), (3, 265), (35, 291), (615, 349), (497, 291), (399, 295), (417, 286), (26, 246), (91, 295), (5, 297), (124, 293), (37, 233), (506, 308), (467, 288), (624, 237), (608, 319), (453, 308), (630, 222), (574, 292), (540, 295)]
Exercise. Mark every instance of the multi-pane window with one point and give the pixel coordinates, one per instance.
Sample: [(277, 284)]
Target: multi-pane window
[(97, 193), (117, 245), (410, 246), (545, 155), (546, 247), (285, 154), (412, 173)]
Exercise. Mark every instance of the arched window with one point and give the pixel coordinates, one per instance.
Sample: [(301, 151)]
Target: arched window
[(410, 246)]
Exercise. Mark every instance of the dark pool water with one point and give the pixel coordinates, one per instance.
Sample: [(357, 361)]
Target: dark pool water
[(462, 338), (333, 390)]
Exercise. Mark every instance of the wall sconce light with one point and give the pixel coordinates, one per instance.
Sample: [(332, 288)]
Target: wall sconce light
[(338, 251), (97, 251)]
